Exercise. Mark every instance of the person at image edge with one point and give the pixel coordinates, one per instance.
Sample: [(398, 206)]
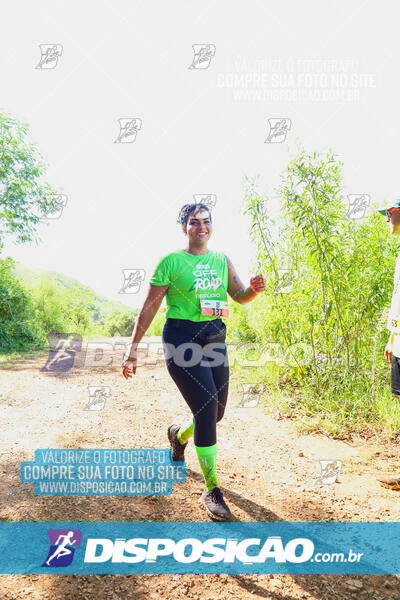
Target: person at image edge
[(392, 350)]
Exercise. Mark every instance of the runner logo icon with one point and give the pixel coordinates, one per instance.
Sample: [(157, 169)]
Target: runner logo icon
[(63, 348), (62, 546), (278, 129)]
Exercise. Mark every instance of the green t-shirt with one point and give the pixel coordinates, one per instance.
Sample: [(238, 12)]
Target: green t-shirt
[(191, 277)]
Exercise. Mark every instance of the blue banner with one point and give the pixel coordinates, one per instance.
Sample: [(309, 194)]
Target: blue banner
[(199, 548)]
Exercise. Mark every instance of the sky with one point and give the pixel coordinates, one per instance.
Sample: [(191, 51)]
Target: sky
[(214, 91)]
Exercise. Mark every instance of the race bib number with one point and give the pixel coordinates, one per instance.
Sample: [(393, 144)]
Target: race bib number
[(214, 308), (394, 325)]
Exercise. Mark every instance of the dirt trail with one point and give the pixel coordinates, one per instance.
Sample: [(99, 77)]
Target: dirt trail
[(266, 471)]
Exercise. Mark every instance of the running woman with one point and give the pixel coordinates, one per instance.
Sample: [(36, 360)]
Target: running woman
[(392, 350), (196, 282)]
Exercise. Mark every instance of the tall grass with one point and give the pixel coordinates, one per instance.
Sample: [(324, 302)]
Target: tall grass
[(329, 279)]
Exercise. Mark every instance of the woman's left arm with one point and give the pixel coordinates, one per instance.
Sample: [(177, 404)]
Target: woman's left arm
[(236, 288)]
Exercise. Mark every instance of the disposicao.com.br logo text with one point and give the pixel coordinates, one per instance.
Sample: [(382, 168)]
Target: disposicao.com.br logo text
[(212, 550)]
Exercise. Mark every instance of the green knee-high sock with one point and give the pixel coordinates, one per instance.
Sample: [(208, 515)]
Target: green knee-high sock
[(185, 431), (207, 456)]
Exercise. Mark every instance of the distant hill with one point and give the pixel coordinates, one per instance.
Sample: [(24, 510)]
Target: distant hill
[(104, 306)]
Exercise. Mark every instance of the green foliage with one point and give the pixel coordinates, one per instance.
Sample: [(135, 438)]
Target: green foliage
[(157, 324), (103, 306), (79, 309), (18, 327), (29, 313), (335, 306), (62, 310), (49, 311), (120, 324), (24, 198)]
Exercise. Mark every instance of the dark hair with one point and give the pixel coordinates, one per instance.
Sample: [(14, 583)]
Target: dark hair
[(187, 209)]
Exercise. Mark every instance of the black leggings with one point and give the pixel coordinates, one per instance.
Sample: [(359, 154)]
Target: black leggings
[(201, 374)]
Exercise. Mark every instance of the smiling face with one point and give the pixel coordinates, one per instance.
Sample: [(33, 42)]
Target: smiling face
[(198, 227), (393, 218)]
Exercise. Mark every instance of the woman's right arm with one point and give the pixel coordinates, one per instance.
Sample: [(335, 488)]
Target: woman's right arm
[(146, 315)]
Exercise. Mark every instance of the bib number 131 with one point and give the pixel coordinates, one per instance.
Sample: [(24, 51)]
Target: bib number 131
[(214, 308)]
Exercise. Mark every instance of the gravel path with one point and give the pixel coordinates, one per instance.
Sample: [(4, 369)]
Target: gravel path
[(266, 471)]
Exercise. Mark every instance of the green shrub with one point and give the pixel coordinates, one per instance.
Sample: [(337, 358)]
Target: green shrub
[(341, 275), (19, 329)]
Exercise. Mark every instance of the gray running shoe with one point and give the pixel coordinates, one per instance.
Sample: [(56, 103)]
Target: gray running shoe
[(215, 504), (177, 449)]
